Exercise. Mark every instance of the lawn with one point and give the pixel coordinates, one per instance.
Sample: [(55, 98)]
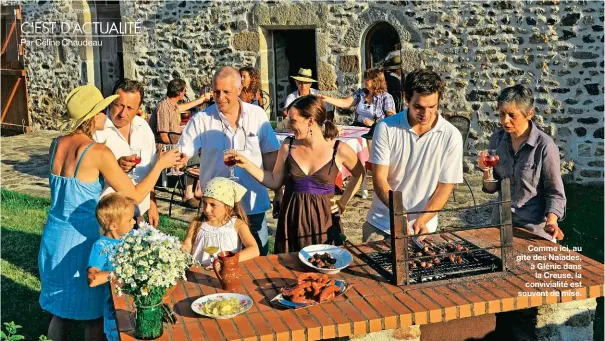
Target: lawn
[(24, 216)]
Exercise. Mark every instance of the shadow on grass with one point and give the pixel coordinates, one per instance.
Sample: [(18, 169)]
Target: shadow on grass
[(36, 165), (21, 249), (20, 304)]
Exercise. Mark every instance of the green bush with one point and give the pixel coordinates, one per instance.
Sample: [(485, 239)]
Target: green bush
[(11, 333)]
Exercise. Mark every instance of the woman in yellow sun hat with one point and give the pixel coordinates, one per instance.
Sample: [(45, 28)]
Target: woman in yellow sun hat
[(78, 170)]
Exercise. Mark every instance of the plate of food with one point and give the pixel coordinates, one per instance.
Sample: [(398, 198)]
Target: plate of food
[(328, 259), (310, 289), (222, 306)]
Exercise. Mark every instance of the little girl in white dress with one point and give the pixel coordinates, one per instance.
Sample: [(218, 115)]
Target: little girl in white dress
[(221, 224)]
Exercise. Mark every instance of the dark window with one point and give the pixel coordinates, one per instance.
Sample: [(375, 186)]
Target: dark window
[(381, 39)]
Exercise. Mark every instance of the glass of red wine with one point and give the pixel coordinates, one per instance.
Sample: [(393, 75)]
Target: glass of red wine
[(229, 161), (137, 159), (491, 160)]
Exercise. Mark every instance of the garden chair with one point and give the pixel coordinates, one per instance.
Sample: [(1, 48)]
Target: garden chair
[(180, 185), (463, 125), (266, 100)]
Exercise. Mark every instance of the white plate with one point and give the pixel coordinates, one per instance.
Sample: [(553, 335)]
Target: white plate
[(279, 300), (342, 256), (244, 300)]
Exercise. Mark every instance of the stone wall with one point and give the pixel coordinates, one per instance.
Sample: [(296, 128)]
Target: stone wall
[(555, 47), (52, 71)]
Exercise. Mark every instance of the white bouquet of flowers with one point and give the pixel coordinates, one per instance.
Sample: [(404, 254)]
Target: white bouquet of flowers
[(148, 262)]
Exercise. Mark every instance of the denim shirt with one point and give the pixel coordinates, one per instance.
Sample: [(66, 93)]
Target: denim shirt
[(535, 175)]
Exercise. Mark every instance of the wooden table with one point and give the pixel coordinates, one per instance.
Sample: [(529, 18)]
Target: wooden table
[(372, 304)]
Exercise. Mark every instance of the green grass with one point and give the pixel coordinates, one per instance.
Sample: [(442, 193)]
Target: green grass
[(23, 218), (583, 227)]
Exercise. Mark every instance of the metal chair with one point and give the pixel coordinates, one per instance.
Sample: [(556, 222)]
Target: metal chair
[(181, 181), (398, 99), (463, 125), (266, 100), (174, 137), (163, 176)]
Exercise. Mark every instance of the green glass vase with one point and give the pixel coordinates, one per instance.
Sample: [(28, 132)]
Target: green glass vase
[(148, 322)]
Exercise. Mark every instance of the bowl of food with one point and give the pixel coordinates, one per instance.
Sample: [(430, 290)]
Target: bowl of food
[(328, 259), (222, 306)]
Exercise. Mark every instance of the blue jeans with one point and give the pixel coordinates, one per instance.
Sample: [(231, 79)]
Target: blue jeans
[(259, 230)]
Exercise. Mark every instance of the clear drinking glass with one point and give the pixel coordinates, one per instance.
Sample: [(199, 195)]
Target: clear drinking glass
[(207, 90), (491, 161), (211, 250), (173, 171), (137, 160), (229, 161), (280, 122)]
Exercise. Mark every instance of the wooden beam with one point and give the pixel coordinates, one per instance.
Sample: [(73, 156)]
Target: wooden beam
[(10, 98), (11, 126), (506, 230), (399, 240), (8, 39)]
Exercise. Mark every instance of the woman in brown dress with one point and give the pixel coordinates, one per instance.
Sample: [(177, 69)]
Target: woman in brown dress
[(307, 164)]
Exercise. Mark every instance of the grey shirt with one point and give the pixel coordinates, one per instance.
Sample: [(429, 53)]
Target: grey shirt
[(535, 175)]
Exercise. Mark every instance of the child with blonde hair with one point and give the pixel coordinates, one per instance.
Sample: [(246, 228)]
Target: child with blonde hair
[(222, 223), (115, 214)]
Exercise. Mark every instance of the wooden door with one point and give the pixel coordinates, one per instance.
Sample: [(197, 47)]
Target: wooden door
[(111, 52), (15, 113)]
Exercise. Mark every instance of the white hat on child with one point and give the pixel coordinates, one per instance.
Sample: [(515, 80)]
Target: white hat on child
[(224, 190)]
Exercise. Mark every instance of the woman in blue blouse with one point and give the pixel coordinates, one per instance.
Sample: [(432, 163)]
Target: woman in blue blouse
[(372, 103), (530, 159)]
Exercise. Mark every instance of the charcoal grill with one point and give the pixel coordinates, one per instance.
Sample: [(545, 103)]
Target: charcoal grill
[(395, 264), (474, 263)]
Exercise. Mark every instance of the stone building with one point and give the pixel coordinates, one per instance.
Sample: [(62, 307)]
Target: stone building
[(555, 47)]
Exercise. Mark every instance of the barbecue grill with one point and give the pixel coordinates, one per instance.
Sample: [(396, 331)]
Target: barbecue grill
[(449, 251)]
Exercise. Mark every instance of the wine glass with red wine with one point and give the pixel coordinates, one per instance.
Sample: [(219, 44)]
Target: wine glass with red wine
[(491, 160), (137, 159), (229, 161)]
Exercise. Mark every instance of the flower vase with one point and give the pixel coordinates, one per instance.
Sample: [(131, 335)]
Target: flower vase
[(148, 322)]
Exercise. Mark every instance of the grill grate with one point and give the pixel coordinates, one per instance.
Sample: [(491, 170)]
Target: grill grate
[(475, 262)]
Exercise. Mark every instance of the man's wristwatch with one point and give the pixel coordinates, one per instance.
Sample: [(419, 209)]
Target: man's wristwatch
[(111, 276)]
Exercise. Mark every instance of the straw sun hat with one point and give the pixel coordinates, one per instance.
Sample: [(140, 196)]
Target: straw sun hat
[(393, 64), (82, 104), (304, 75)]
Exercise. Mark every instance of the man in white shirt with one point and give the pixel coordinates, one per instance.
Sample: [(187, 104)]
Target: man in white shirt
[(125, 130), (233, 124), (418, 153), (303, 88)]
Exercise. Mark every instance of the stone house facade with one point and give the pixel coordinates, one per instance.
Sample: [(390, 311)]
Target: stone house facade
[(479, 47)]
